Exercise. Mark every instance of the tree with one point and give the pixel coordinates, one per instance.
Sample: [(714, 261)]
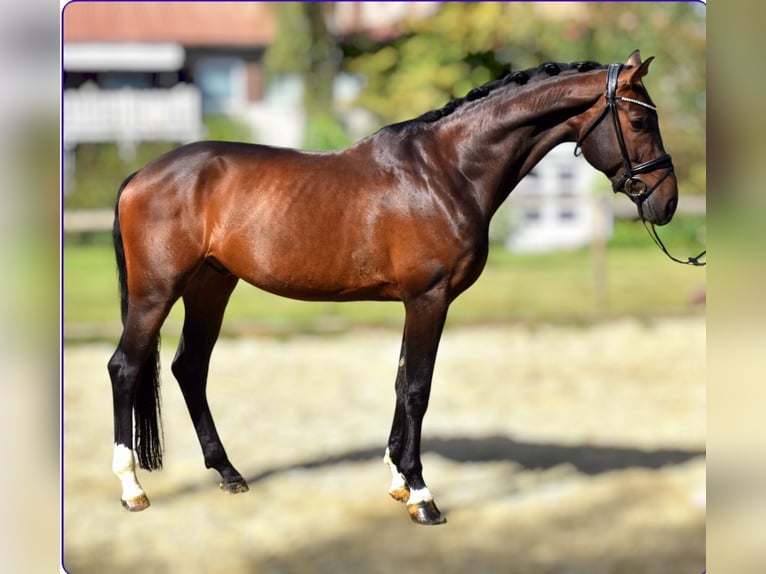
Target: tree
[(304, 45)]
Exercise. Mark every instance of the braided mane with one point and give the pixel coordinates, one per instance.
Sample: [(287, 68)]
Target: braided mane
[(518, 78)]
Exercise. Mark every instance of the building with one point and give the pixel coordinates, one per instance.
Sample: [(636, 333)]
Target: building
[(558, 205), (138, 71), (216, 46)]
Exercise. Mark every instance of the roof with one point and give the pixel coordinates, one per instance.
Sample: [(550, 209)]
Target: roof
[(241, 24)]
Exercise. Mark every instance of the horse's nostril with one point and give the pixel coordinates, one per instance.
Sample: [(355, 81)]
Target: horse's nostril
[(670, 208)]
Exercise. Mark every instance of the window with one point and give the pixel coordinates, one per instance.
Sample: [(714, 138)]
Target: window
[(222, 82), (117, 80), (532, 215)]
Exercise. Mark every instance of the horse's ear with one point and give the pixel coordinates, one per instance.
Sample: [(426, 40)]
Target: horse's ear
[(640, 68), (634, 59)]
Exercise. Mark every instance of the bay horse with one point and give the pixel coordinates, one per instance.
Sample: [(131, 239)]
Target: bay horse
[(402, 215)]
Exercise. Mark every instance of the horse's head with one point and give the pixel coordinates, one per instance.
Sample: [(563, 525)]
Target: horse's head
[(627, 146)]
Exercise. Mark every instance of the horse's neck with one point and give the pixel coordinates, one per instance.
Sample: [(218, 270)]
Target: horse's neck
[(502, 137)]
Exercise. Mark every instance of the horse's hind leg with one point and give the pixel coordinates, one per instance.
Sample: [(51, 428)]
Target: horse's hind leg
[(133, 369), (205, 300)]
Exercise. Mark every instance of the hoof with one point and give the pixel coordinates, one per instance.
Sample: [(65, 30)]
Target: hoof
[(234, 487), (401, 494), (425, 512), (136, 504)]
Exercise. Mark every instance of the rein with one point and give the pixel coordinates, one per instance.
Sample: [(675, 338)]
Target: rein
[(652, 230), (629, 184)]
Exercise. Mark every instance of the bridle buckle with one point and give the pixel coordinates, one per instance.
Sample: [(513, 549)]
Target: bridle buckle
[(635, 188)]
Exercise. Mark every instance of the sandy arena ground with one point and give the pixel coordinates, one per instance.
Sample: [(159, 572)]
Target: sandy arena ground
[(552, 449)]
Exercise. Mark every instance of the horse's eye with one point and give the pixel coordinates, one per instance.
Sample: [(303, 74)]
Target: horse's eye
[(637, 125)]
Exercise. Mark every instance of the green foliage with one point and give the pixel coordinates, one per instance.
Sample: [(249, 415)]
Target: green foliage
[(225, 128), (99, 171), (324, 132), (99, 168), (292, 41), (303, 45), (684, 233)]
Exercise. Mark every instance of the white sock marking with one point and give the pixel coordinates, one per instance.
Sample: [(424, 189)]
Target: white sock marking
[(420, 495), (124, 466), (397, 480)]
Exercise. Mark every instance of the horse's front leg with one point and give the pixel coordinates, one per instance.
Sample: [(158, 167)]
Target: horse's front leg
[(424, 322)]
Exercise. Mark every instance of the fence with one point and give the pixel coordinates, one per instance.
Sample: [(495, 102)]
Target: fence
[(129, 117)]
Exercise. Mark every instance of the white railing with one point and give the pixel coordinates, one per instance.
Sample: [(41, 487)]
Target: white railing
[(130, 116)]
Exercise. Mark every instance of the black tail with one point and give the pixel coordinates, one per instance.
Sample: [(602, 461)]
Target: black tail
[(148, 414), (146, 408), (119, 251)]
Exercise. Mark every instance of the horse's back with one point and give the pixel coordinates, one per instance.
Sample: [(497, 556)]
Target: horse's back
[(207, 180), (357, 223), (287, 221)]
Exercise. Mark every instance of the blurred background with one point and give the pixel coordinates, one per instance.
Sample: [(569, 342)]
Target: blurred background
[(140, 79), (579, 446)]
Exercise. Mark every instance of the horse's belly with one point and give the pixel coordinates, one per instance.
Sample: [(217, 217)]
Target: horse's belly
[(309, 271), (313, 288)]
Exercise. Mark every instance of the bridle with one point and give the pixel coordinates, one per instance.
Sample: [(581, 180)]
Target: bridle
[(632, 186), (629, 184)]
